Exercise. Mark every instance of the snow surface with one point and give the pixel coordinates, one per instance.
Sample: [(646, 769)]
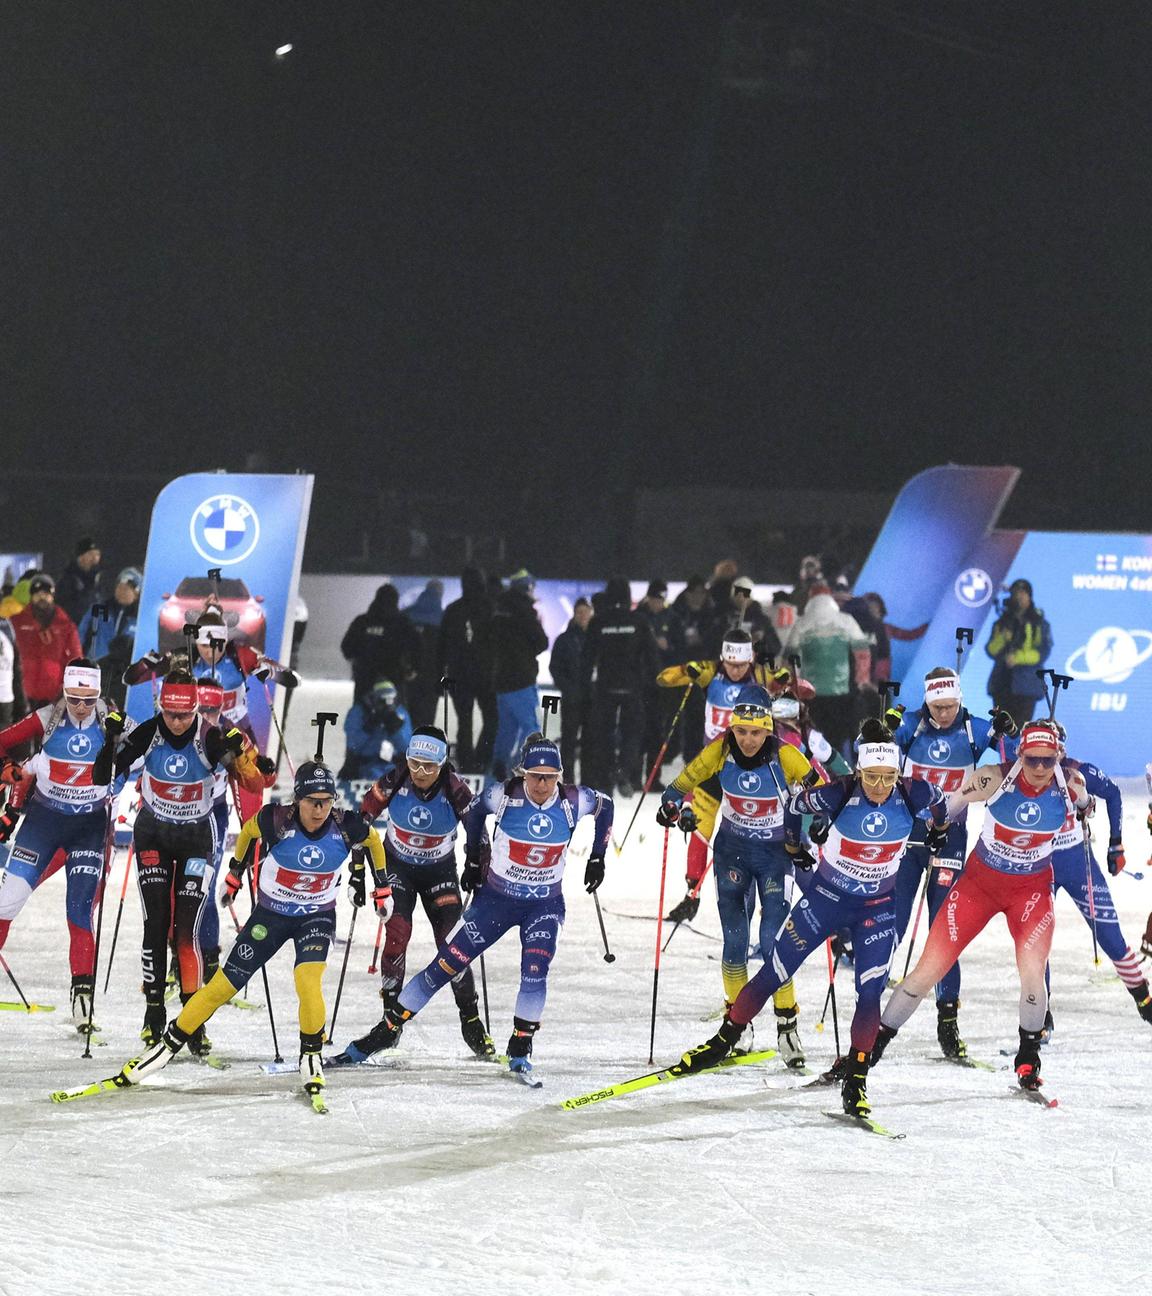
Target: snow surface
[(435, 1171)]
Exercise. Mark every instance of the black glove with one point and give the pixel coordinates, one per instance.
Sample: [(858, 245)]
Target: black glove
[(9, 818), (233, 882), (685, 911), (391, 721), (234, 742), (818, 833), (266, 765), (156, 662), (593, 873), (936, 838), (801, 857), (668, 812), (1116, 859), (288, 679), (693, 670), (765, 656), (688, 822), (473, 873), (114, 724), (1003, 726), (356, 886), (894, 716), (1146, 941)]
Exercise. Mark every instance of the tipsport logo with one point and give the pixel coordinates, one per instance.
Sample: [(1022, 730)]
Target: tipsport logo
[(224, 529), (973, 587)]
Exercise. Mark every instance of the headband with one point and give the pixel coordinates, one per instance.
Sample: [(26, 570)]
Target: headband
[(944, 688), (736, 652), (82, 677), (427, 747), (872, 755), (177, 697)]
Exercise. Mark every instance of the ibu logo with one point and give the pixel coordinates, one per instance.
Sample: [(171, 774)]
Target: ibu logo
[(310, 857), (940, 750), (1027, 813), (79, 744), (420, 817), (540, 825), (224, 529), (749, 781), (176, 765), (874, 823), (973, 587)]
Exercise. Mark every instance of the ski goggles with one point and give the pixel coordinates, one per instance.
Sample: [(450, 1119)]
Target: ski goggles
[(884, 778), (79, 700), (1041, 762), (753, 715), (423, 767)]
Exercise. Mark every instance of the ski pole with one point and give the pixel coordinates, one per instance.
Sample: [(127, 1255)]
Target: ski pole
[(279, 730), (549, 705), (694, 893), (445, 686), (374, 966), (659, 935), (827, 999), (916, 924), (656, 766), (263, 966), (343, 971), (1090, 882), (483, 970), (119, 914), (832, 995), (23, 997), (105, 869), (963, 636), (609, 957)]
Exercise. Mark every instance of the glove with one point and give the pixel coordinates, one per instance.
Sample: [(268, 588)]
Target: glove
[(263, 672), (154, 661), (234, 742), (688, 821), (266, 765), (935, 838), (387, 751), (233, 881), (1149, 819), (764, 656), (693, 670), (894, 716), (1086, 811), (9, 818), (818, 833), (593, 873), (472, 876), (1003, 726), (1146, 943), (382, 900), (114, 724), (668, 811), (391, 721), (801, 857), (10, 773), (356, 886), (288, 679), (685, 911), (1116, 859)]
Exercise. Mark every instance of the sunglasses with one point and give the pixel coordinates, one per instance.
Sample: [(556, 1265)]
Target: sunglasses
[(750, 711), (75, 701), (880, 779), (179, 715), (318, 802), (422, 767), (543, 778), (1041, 762)]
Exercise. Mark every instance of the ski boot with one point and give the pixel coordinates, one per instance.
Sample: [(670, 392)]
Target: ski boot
[(854, 1090), (520, 1045), (475, 1036), (384, 1035), (788, 1039), (1028, 1059), (714, 1050), (884, 1036), (155, 1019), (83, 987), (1143, 1000), (199, 1043), (157, 1058), (685, 911), (311, 1063), (837, 1073), (948, 1030)]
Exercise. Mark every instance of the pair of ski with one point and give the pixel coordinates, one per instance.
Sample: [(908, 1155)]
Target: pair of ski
[(500, 1059), (110, 1084)]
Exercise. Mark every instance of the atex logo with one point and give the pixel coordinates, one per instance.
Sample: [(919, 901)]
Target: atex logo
[(224, 529), (973, 587)]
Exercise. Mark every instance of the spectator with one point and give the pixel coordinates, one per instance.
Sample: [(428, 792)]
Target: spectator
[(693, 632), (382, 643), (811, 573), (426, 613), (16, 598), (465, 657), (109, 640), (660, 705), (12, 705), (719, 587), (1020, 644), (517, 639), (829, 642), (869, 612), (745, 613), (46, 640), (377, 730), (79, 584), (620, 660), (566, 666)]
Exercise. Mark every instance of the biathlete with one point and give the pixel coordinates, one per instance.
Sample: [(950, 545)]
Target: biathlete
[(752, 775)]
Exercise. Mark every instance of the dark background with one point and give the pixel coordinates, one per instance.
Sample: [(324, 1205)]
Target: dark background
[(493, 269)]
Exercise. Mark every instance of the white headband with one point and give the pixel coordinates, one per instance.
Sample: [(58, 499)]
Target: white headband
[(871, 755), (736, 652), (210, 634), (82, 677), (943, 688)]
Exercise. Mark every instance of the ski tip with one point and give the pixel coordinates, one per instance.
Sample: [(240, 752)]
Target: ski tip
[(14, 1006)]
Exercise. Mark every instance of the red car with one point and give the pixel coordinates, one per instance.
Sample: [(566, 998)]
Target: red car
[(243, 613)]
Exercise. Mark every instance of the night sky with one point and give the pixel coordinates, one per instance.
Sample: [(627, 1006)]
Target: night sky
[(536, 256)]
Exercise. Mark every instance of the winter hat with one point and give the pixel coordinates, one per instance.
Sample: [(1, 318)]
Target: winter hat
[(314, 779), (41, 581), (541, 754), (131, 576)]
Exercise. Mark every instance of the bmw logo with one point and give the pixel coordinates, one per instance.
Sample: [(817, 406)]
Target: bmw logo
[(539, 825), (310, 856), (176, 765), (732, 692), (874, 823), (419, 816), (940, 750), (224, 529), (749, 781), (1027, 812), (79, 744), (973, 587)]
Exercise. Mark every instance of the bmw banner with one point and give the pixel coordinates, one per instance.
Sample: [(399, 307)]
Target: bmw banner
[(251, 526)]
